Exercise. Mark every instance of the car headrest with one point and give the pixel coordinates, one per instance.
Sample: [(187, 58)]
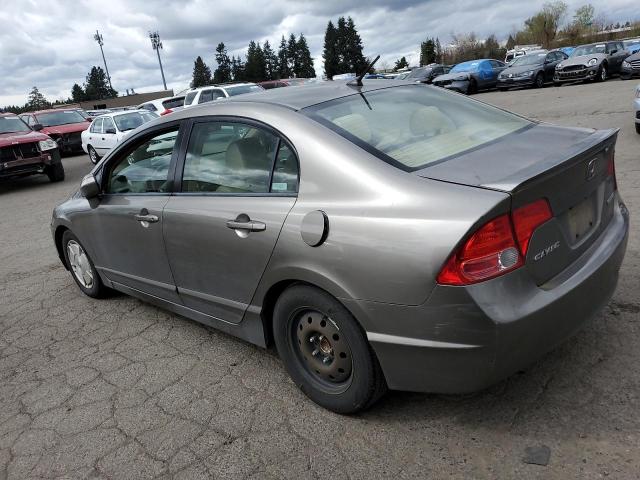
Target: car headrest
[(356, 125), (247, 154), (430, 121)]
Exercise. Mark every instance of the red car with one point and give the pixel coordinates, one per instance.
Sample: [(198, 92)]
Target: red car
[(25, 152), (63, 125)]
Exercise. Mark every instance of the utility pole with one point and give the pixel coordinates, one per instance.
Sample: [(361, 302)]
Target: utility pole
[(98, 38), (157, 45)]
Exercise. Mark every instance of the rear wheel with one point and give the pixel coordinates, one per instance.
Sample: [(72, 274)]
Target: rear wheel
[(55, 172), (81, 267), (539, 82), (325, 351), (93, 155)]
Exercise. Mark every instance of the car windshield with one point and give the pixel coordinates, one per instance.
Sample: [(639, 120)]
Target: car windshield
[(532, 59), (241, 89), (589, 49), (59, 118), (628, 43), (12, 124), (414, 126), (419, 73), (129, 121), (466, 67)]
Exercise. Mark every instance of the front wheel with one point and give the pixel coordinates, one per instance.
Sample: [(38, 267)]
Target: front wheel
[(539, 83), (603, 74), (93, 155), (325, 351), (81, 267), (55, 172), (472, 88)]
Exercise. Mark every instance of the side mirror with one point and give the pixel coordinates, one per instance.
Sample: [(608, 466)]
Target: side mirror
[(110, 131), (37, 127), (615, 50), (89, 119), (89, 187)]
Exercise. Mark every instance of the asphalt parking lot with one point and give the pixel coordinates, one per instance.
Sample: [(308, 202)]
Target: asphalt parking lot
[(120, 389)]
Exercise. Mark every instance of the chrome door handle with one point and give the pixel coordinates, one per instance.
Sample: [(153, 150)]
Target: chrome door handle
[(251, 225), (146, 218)]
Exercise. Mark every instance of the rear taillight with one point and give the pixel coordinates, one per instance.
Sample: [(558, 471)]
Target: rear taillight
[(526, 219), (490, 252), (498, 247), (611, 169), (167, 112)]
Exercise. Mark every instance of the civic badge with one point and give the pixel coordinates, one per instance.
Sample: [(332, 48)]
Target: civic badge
[(591, 169)]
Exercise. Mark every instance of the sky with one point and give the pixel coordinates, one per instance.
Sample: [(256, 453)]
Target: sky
[(50, 45)]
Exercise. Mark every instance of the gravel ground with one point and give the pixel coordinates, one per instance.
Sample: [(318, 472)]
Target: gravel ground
[(120, 389)]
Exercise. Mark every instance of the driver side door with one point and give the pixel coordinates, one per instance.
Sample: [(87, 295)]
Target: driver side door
[(127, 221)]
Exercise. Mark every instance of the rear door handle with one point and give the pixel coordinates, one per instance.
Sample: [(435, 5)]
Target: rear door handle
[(146, 218), (251, 225)]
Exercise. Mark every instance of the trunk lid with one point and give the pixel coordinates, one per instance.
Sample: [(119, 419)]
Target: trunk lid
[(567, 166)]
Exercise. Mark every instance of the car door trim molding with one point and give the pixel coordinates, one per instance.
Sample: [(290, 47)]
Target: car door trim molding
[(416, 342), (154, 283), (214, 299)]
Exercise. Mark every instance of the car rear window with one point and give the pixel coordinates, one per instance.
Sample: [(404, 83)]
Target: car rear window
[(415, 126), (188, 99), (242, 89), (173, 103)]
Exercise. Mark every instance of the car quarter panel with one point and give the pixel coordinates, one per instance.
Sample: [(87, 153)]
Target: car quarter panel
[(390, 231)]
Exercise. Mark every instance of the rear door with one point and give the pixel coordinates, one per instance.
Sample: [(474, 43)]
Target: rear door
[(108, 139), (239, 182), (95, 134)]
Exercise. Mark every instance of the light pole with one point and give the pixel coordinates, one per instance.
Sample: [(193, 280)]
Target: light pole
[(157, 45), (98, 38)]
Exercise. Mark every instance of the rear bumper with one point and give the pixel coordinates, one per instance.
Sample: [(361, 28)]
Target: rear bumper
[(29, 166), (464, 339)]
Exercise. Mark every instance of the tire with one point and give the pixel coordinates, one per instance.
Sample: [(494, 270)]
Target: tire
[(638, 129), (472, 88), (325, 351), (93, 155), (95, 288), (603, 73), (539, 81), (557, 84), (55, 172)]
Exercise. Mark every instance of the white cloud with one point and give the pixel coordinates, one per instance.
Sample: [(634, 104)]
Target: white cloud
[(53, 47)]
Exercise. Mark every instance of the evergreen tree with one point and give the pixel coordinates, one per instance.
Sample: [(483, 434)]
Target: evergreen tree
[(283, 60), (330, 54), (439, 52), (223, 73), (255, 67), (511, 42), (270, 61), (292, 55), (341, 46), (77, 93), (427, 52), (401, 63), (36, 100), (354, 58), (304, 60), (96, 86), (237, 69), (201, 74)]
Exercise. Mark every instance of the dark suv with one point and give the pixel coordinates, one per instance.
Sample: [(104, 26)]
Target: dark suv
[(25, 152), (62, 125)]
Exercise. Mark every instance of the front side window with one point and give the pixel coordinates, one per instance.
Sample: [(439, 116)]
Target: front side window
[(107, 125), (96, 126), (131, 121), (413, 127), (230, 157), (144, 168)]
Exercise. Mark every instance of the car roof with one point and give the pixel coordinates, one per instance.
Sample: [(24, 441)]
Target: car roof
[(226, 85), (121, 112), (299, 98)]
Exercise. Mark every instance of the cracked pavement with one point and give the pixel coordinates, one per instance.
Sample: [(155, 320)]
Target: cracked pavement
[(117, 388)]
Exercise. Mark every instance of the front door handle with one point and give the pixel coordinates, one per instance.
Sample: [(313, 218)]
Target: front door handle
[(249, 225), (146, 218)]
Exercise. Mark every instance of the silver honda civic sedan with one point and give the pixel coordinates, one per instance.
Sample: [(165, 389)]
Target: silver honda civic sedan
[(390, 235)]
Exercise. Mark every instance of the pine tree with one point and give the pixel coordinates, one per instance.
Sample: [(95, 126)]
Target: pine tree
[(439, 53), (427, 52), (96, 86), (401, 63), (304, 60), (270, 61), (329, 54), (77, 93), (354, 58), (292, 55), (511, 42), (341, 46), (255, 68), (283, 60), (223, 72), (36, 100), (237, 69), (201, 74)]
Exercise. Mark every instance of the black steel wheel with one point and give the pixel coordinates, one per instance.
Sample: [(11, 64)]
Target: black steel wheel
[(325, 351)]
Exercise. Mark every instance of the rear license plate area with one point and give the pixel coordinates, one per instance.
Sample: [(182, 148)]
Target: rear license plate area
[(581, 219)]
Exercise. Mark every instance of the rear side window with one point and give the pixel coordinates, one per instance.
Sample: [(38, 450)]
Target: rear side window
[(96, 126), (230, 157), (414, 126), (173, 103), (188, 99), (149, 106)]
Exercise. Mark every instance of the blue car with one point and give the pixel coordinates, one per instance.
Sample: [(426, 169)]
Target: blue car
[(567, 50), (632, 46), (472, 76)]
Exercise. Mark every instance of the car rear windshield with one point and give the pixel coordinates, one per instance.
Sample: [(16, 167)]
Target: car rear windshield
[(241, 89), (130, 121), (12, 124), (531, 59), (59, 118), (415, 126), (188, 99), (173, 103)]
